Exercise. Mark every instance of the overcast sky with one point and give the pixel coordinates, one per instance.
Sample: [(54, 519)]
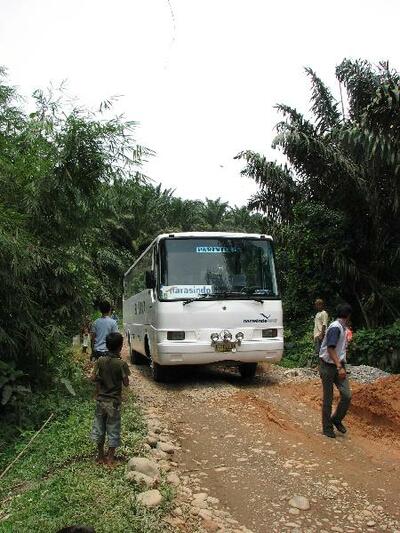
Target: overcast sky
[(202, 80)]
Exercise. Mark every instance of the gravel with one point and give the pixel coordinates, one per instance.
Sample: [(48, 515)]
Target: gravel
[(366, 374), (360, 373)]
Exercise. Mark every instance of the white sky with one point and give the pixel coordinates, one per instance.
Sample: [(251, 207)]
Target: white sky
[(202, 92)]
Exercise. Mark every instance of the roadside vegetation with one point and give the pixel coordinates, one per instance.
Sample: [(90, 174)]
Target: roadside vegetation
[(56, 482)]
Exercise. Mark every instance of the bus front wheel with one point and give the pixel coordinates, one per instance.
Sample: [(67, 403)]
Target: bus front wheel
[(160, 373), (136, 357), (248, 370)]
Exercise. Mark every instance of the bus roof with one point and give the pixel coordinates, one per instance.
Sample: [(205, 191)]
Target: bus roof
[(197, 234)]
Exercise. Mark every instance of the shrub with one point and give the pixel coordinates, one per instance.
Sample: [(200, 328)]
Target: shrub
[(377, 347), (299, 347), (11, 387)]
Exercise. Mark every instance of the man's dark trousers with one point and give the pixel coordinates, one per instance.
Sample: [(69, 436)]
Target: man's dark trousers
[(330, 376)]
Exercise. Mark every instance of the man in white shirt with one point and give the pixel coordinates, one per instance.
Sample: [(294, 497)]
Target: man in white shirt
[(321, 320), (332, 357)]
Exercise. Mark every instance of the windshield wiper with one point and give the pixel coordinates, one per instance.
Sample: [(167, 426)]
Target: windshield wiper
[(204, 296), (224, 294)]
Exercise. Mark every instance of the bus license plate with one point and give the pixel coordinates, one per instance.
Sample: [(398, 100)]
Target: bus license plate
[(224, 347)]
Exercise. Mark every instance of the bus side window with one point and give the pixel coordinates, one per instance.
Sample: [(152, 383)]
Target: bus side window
[(135, 281)]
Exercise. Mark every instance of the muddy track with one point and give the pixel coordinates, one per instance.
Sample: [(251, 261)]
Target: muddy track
[(254, 446)]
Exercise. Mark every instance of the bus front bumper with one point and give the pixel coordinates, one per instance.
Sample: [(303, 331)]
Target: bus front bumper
[(196, 353)]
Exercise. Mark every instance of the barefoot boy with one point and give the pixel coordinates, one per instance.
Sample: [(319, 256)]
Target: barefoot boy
[(109, 373)]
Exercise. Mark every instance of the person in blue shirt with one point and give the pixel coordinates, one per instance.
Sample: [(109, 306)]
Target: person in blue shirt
[(332, 357), (100, 329)]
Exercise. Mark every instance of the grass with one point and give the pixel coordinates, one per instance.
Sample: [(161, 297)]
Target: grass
[(57, 483)]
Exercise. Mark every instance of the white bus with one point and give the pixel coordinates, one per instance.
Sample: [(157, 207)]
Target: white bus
[(203, 297)]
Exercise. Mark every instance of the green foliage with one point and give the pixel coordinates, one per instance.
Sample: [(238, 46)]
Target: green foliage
[(299, 347), (11, 387), (59, 467), (53, 166), (348, 166), (377, 347), (308, 252)]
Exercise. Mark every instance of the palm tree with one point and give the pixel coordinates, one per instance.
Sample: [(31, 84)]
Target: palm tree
[(349, 164), (213, 213)]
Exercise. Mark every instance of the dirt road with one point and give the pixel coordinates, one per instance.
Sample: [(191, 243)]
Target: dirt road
[(252, 447)]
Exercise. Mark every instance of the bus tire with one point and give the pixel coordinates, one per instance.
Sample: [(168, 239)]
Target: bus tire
[(160, 373), (248, 370), (136, 357)]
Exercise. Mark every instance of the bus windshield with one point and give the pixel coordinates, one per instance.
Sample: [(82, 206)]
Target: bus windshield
[(237, 267)]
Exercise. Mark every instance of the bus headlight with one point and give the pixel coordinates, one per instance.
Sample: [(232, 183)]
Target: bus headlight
[(239, 336), (214, 337), (227, 336)]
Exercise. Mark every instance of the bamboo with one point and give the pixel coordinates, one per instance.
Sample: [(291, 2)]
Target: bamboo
[(24, 449)]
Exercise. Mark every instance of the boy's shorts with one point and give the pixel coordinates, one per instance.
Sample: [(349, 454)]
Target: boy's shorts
[(107, 421)]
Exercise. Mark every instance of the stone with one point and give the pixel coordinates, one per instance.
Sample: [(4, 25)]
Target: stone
[(212, 500), (294, 511), (142, 479), (205, 514), (158, 454), (210, 525), (150, 498), (200, 496), (145, 466), (371, 523), (177, 511), (164, 465), (174, 521), (151, 441), (199, 504), (300, 502), (154, 427), (166, 447), (173, 479)]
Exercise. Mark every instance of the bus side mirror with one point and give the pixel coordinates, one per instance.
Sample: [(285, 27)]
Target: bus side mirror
[(150, 279)]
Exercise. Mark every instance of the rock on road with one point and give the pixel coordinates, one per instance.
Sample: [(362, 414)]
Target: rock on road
[(254, 457)]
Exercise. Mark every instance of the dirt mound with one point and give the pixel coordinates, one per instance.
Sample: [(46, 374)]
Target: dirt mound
[(375, 407), (378, 404)]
